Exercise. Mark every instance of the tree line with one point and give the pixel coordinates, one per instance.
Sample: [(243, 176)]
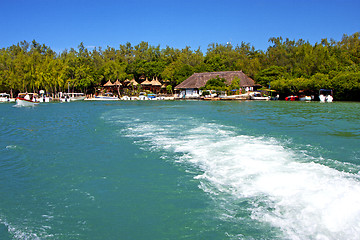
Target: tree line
[(287, 66)]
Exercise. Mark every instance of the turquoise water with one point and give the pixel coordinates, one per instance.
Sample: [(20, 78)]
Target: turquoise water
[(180, 170)]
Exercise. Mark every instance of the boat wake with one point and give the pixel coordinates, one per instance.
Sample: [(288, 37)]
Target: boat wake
[(259, 176), (17, 232)]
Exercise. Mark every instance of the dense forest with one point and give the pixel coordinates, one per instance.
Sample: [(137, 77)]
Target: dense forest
[(287, 66)]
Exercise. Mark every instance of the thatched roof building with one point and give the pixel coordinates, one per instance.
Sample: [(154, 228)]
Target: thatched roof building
[(198, 80), (109, 84), (133, 82), (117, 83), (146, 82), (155, 82)]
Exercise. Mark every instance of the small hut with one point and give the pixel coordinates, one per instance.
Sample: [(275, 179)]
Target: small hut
[(117, 83), (108, 86), (155, 85), (133, 82), (146, 85)]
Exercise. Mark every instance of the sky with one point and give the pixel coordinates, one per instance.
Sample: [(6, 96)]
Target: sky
[(64, 24)]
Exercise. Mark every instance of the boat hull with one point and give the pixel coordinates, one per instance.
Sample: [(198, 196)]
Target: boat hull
[(260, 98), (305, 98), (292, 98), (77, 98), (101, 98), (4, 97), (25, 103), (328, 98)]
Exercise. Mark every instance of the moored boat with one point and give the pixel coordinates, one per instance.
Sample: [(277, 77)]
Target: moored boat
[(105, 97), (5, 97), (27, 100), (142, 96), (44, 97), (69, 97), (258, 96), (64, 97), (76, 96), (305, 98), (125, 98), (326, 95), (292, 98), (152, 96), (235, 97)]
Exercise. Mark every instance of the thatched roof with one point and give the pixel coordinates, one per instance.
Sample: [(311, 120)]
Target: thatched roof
[(146, 82), (155, 82), (117, 83), (109, 84), (198, 80), (133, 82)]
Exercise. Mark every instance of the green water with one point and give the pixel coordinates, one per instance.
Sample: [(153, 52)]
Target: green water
[(180, 170)]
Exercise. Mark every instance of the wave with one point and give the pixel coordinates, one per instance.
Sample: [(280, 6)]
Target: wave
[(283, 187), (17, 232)]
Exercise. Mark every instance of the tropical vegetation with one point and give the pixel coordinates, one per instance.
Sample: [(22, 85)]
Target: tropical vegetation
[(287, 66)]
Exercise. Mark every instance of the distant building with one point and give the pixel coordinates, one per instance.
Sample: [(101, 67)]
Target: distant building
[(190, 88)]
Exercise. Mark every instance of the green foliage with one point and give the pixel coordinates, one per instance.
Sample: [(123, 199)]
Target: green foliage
[(177, 72), (268, 75), (169, 89), (217, 84), (347, 86), (288, 65), (205, 93), (235, 84)]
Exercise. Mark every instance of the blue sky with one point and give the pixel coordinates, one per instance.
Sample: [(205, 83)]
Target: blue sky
[(197, 23)]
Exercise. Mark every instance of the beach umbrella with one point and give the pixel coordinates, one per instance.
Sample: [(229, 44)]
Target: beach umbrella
[(109, 84)]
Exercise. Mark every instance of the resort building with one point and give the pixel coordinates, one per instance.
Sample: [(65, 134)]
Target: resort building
[(190, 88)]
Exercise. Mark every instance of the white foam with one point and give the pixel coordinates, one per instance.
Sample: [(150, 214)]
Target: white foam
[(286, 189), (11, 147), (19, 232)]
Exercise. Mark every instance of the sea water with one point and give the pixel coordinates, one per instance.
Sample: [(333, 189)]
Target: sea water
[(180, 170)]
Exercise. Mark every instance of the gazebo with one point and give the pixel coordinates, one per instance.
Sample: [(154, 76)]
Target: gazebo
[(117, 83), (155, 85), (113, 87), (109, 84), (133, 82), (146, 84)]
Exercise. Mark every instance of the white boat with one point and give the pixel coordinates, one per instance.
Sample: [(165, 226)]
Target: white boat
[(69, 97), (5, 97), (125, 98), (43, 97), (64, 97), (76, 96), (105, 97), (235, 97), (305, 98), (151, 96), (325, 95), (258, 96), (27, 100), (142, 96), (168, 98)]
